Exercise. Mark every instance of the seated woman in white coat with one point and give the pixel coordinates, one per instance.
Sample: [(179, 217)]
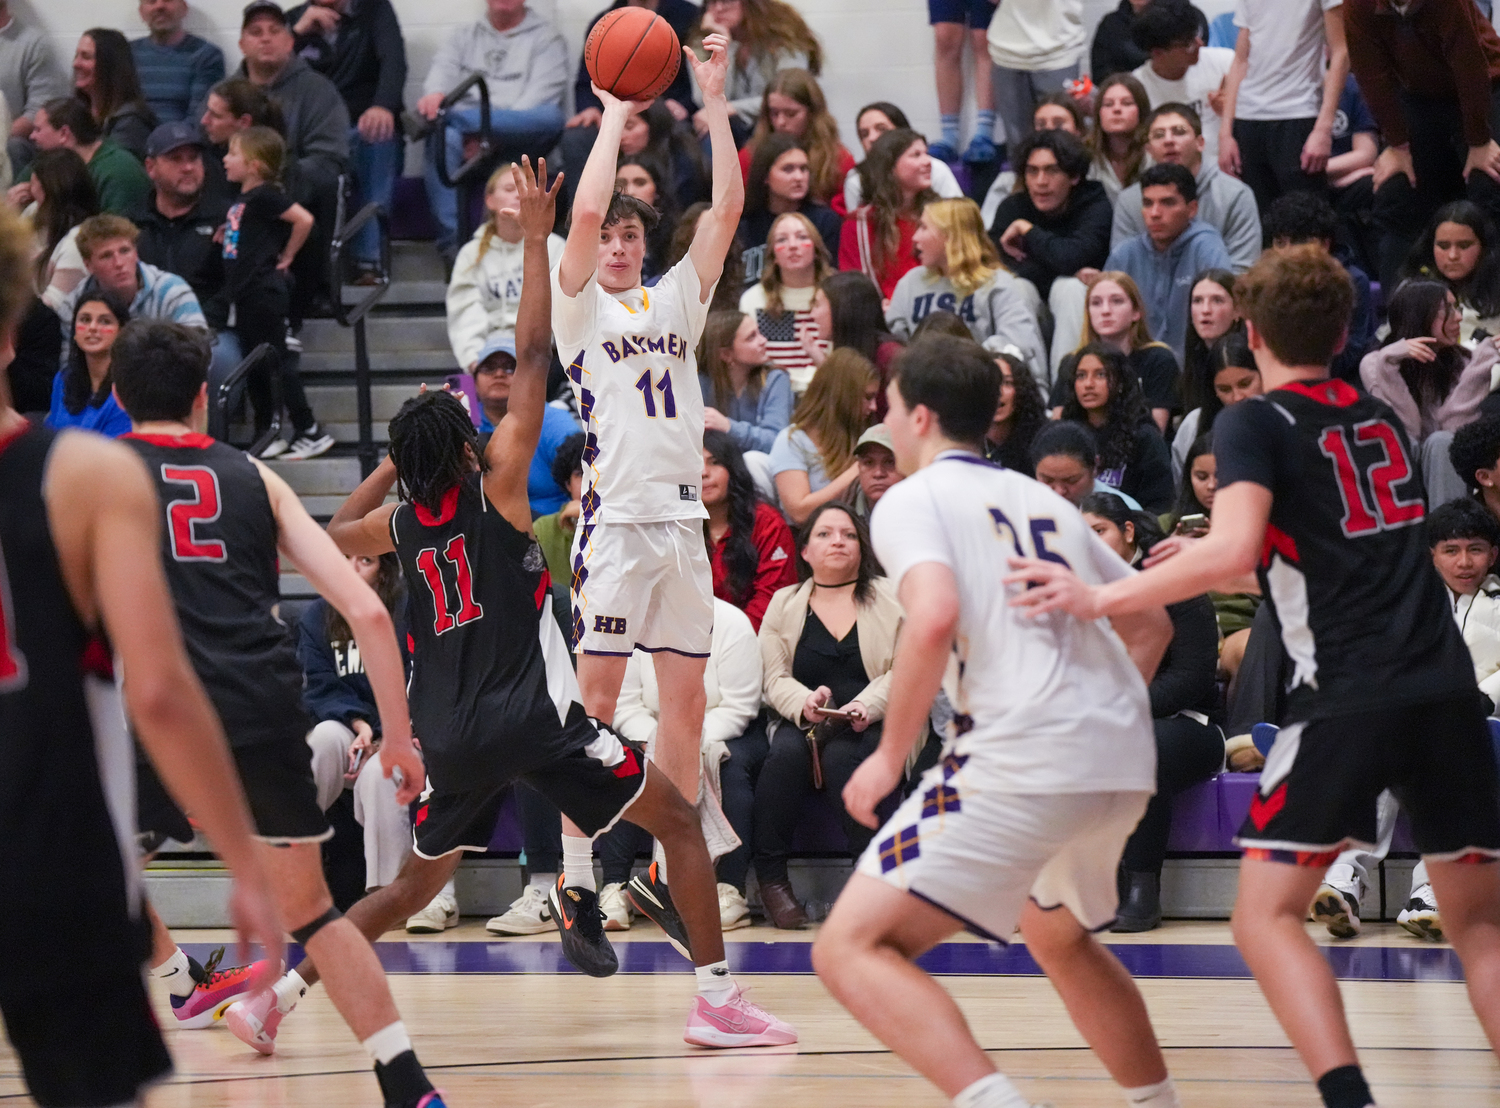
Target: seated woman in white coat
[(734, 747)]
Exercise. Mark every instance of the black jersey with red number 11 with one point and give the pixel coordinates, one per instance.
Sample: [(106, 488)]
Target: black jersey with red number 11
[(1363, 613), (219, 539), (487, 699)]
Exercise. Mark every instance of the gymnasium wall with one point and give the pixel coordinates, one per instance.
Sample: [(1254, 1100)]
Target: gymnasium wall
[(876, 49)]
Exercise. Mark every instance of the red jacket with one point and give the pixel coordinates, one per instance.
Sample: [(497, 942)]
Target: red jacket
[(851, 256), (777, 569)]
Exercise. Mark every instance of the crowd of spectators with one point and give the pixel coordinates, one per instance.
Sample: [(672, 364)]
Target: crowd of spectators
[(1092, 252)]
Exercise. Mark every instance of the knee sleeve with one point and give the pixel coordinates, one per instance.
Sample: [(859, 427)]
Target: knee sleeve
[(303, 935)]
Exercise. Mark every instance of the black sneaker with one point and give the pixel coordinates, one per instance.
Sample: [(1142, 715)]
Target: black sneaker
[(579, 921), (651, 899), (403, 1084)]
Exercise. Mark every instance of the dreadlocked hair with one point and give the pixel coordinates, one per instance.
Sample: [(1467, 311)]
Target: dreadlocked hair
[(434, 447)]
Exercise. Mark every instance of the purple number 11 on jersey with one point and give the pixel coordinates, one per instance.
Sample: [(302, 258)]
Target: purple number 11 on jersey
[(664, 386)]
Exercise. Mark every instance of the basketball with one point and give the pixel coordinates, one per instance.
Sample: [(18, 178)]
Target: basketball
[(632, 53)]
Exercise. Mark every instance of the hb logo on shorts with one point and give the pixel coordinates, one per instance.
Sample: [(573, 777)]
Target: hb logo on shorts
[(687, 492), (609, 625)]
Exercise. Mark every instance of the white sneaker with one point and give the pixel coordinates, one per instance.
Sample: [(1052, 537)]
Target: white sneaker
[(274, 449), (616, 907), (1420, 916), (309, 444), (1337, 909), (438, 916), (527, 915), (734, 913)]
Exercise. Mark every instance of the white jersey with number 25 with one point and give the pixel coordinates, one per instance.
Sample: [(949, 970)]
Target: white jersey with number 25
[(1056, 704), (633, 362)]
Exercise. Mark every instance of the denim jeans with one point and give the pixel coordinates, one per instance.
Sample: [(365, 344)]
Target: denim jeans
[(376, 165), (533, 131)]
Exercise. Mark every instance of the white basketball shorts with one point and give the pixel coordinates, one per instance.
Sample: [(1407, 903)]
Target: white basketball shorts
[(978, 853), (647, 585)]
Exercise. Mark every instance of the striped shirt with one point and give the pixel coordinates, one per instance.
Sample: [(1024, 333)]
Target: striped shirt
[(162, 296), (176, 79)]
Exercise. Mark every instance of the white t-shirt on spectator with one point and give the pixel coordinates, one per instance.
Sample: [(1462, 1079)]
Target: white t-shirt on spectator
[(795, 450), (1056, 703), (1193, 89), (1037, 35), (1285, 77)]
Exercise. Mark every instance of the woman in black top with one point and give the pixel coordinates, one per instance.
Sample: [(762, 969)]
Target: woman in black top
[(826, 643), (780, 181), (1100, 390), (1189, 748), (105, 78), (1018, 418)]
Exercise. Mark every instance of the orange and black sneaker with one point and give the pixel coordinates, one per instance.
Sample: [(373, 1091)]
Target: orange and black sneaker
[(581, 925), (648, 892)]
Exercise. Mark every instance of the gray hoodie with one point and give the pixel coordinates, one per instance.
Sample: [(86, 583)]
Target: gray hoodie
[(1224, 202), (317, 121), (1166, 276), (525, 67), (997, 315)]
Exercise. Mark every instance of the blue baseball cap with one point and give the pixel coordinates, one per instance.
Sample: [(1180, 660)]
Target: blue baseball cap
[(174, 136), (501, 342)]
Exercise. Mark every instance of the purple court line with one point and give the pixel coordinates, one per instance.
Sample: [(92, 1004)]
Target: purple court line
[(1367, 963)]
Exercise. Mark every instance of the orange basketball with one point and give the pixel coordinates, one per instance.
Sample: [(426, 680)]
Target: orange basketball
[(632, 53)]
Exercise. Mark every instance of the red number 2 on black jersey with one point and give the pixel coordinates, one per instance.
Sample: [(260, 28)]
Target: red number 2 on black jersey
[(1370, 503), (456, 556), (12, 661), (201, 506)]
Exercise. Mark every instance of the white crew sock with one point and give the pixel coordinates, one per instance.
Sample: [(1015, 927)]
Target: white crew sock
[(715, 983), (659, 856), (545, 881), (578, 863), (994, 1091), (387, 1043), (176, 974), (290, 989), (1161, 1095)]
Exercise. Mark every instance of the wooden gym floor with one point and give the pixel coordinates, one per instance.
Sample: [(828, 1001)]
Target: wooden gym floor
[(505, 1021)]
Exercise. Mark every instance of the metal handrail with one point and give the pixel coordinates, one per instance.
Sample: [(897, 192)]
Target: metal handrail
[(354, 315), (437, 138), (348, 314), (261, 353)]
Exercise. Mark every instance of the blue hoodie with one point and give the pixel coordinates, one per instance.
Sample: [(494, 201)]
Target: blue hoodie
[(1166, 276)]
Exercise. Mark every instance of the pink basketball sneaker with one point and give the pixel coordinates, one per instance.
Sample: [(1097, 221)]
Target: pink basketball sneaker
[(736, 1022), (215, 991), (254, 1021)]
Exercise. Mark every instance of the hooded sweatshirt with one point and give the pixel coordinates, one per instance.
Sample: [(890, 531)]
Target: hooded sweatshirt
[(317, 121), (996, 314), (1224, 202), (485, 293), (525, 67), (1166, 276)]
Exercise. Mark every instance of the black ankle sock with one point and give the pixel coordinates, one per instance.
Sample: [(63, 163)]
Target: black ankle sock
[(403, 1083), (1345, 1087)]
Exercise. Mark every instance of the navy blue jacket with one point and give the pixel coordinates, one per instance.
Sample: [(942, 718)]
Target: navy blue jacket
[(336, 686)]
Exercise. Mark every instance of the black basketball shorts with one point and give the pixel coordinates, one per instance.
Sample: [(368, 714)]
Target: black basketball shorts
[(278, 782), (1319, 786), (593, 786)]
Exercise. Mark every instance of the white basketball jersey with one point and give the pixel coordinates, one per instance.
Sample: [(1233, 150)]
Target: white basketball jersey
[(633, 362), (1053, 704)]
